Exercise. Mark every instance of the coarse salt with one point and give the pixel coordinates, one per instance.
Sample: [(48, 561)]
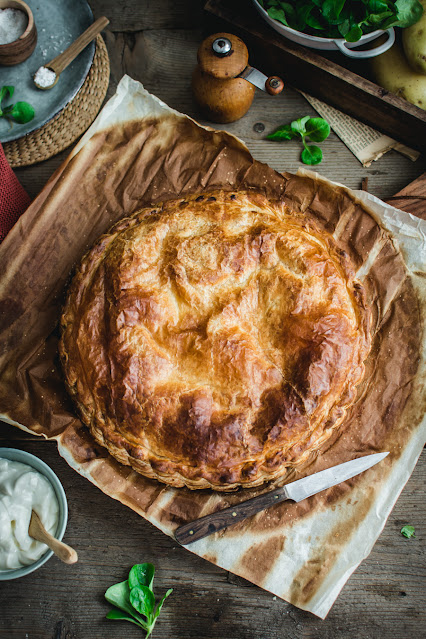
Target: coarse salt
[(45, 77), (13, 23)]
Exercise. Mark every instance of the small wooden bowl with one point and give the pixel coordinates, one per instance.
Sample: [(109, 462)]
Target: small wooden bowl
[(20, 49)]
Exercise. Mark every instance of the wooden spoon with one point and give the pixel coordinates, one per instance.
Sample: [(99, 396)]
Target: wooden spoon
[(37, 531), (58, 64)]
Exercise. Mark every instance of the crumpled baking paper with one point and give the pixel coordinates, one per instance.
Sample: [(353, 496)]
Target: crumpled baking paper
[(140, 151)]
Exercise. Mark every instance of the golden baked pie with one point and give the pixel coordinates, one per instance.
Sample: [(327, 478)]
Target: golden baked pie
[(214, 341)]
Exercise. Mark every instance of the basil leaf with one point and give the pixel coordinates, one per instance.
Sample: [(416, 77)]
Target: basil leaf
[(141, 575), (298, 126), (282, 133), (317, 129), (311, 155), (408, 531), (143, 600), (22, 112), (161, 602), (123, 616), (119, 595)]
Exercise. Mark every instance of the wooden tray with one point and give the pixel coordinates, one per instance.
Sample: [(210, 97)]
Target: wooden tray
[(322, 76)]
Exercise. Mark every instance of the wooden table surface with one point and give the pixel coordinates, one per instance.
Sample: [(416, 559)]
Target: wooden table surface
[(156, 43)]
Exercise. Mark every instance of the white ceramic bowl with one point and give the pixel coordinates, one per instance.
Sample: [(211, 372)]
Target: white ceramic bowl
[(23, 457), (330, 44)]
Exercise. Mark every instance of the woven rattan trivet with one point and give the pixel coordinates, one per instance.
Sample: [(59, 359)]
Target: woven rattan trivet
[(70, 123)]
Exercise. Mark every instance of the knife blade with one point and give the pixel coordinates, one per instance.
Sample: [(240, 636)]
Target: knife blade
[(296, 491), (272, 85)]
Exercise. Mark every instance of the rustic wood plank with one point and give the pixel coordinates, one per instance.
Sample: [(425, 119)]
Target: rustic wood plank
[(383, 598), (154, 14)]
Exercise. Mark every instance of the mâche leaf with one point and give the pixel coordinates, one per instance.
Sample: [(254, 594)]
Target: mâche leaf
[(408, 531), (143, 600), (134, 598), (21, 112), (141, 575), (331, 10), (350, 19), (315, 129), (298, 126), (282, 133), (119, 615), (162, 600), (278, 14), (354, 34), (311, 155), (4, 91), (119, 596), (409, 12)]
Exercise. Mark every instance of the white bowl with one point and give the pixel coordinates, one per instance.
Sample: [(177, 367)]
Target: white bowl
[(14, 454), (330, 44)]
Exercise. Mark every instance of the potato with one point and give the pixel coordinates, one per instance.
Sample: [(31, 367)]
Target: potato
[(414, 42), (392, 72)]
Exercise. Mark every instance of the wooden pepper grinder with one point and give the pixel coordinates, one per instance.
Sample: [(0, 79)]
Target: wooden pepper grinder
[(223, 83)]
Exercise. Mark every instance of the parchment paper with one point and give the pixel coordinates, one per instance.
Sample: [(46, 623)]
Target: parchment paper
[(140, 151)]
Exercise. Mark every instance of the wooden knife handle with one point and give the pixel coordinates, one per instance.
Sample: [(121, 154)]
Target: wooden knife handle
[(195, 530)]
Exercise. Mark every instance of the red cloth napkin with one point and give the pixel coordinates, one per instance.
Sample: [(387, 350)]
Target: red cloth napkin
[(13, 198)]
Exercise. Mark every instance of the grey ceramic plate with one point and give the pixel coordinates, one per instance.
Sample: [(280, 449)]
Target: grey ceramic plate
[(59, 23)]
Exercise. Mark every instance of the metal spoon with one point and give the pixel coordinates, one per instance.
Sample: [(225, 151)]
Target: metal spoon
[(37, 531), (58, 64)]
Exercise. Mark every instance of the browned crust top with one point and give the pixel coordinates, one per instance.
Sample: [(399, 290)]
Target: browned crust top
[(214, 340)]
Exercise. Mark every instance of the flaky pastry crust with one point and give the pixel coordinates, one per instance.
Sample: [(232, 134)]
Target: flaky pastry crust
[(214, 341)]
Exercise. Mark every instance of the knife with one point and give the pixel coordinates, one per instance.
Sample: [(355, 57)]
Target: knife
[(272, 85), (296, 491)]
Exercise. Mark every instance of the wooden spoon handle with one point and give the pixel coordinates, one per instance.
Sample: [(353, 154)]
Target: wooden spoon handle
[(63, 551), (61, 61)]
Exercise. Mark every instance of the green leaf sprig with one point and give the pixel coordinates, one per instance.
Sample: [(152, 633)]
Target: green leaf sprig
[(408, 531), (20, 112), (134, 598), (349, 19), (316, 129)]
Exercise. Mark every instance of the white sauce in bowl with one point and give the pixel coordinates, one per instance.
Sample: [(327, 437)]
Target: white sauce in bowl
[(23, 489)]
